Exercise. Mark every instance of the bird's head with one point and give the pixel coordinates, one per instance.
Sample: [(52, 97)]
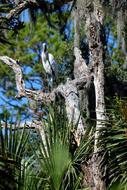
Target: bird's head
[(44, 46)]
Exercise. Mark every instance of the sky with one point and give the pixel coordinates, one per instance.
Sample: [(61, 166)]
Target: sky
[(10, 103)]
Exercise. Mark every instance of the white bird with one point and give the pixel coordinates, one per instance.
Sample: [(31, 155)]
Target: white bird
[(49, 64)]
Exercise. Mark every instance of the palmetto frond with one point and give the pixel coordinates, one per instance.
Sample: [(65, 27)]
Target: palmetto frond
[(117, 154), (12, 146), (59, 157)]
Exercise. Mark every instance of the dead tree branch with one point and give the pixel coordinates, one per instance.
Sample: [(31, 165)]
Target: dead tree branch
[(68, 91), (17, 10), (48, 7), (18, 74)]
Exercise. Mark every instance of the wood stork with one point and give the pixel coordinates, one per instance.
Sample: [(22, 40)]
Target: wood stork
[(49, 65)]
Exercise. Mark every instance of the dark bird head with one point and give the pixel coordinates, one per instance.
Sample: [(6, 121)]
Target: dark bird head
[(44, 45)]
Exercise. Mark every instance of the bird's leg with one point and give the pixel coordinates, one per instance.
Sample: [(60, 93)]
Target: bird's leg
[(49, 82), (54, 81), (47, 77), (45, 83)]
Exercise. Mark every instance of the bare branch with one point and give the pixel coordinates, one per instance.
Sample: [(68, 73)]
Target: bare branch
[(15, 12), (18, 74), (44, 5), (39, 95), (67, 90)]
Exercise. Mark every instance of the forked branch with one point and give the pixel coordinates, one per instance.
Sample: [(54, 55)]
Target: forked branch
[(68, 91)]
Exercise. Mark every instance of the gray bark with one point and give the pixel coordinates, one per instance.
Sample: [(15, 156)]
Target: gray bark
[(80, 66), (94, 33), (68, 91)]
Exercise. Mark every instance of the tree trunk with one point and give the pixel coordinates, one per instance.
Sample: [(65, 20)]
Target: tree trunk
[(95, 37), (69, 90), (80, 67)]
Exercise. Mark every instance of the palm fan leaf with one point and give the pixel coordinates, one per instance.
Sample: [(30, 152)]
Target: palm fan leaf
[(12, 146), (59, 157)]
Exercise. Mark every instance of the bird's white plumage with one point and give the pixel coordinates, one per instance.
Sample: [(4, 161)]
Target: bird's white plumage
[(49, 64), (48, 61)]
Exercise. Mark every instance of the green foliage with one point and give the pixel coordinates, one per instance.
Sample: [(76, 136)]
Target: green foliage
[(12, 145), (115, 140), (26, 47), (117, 111), (116, 55), (59, 156), (27, 44), (118, 186), (53, 161), (56, 160), (115, 70)]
